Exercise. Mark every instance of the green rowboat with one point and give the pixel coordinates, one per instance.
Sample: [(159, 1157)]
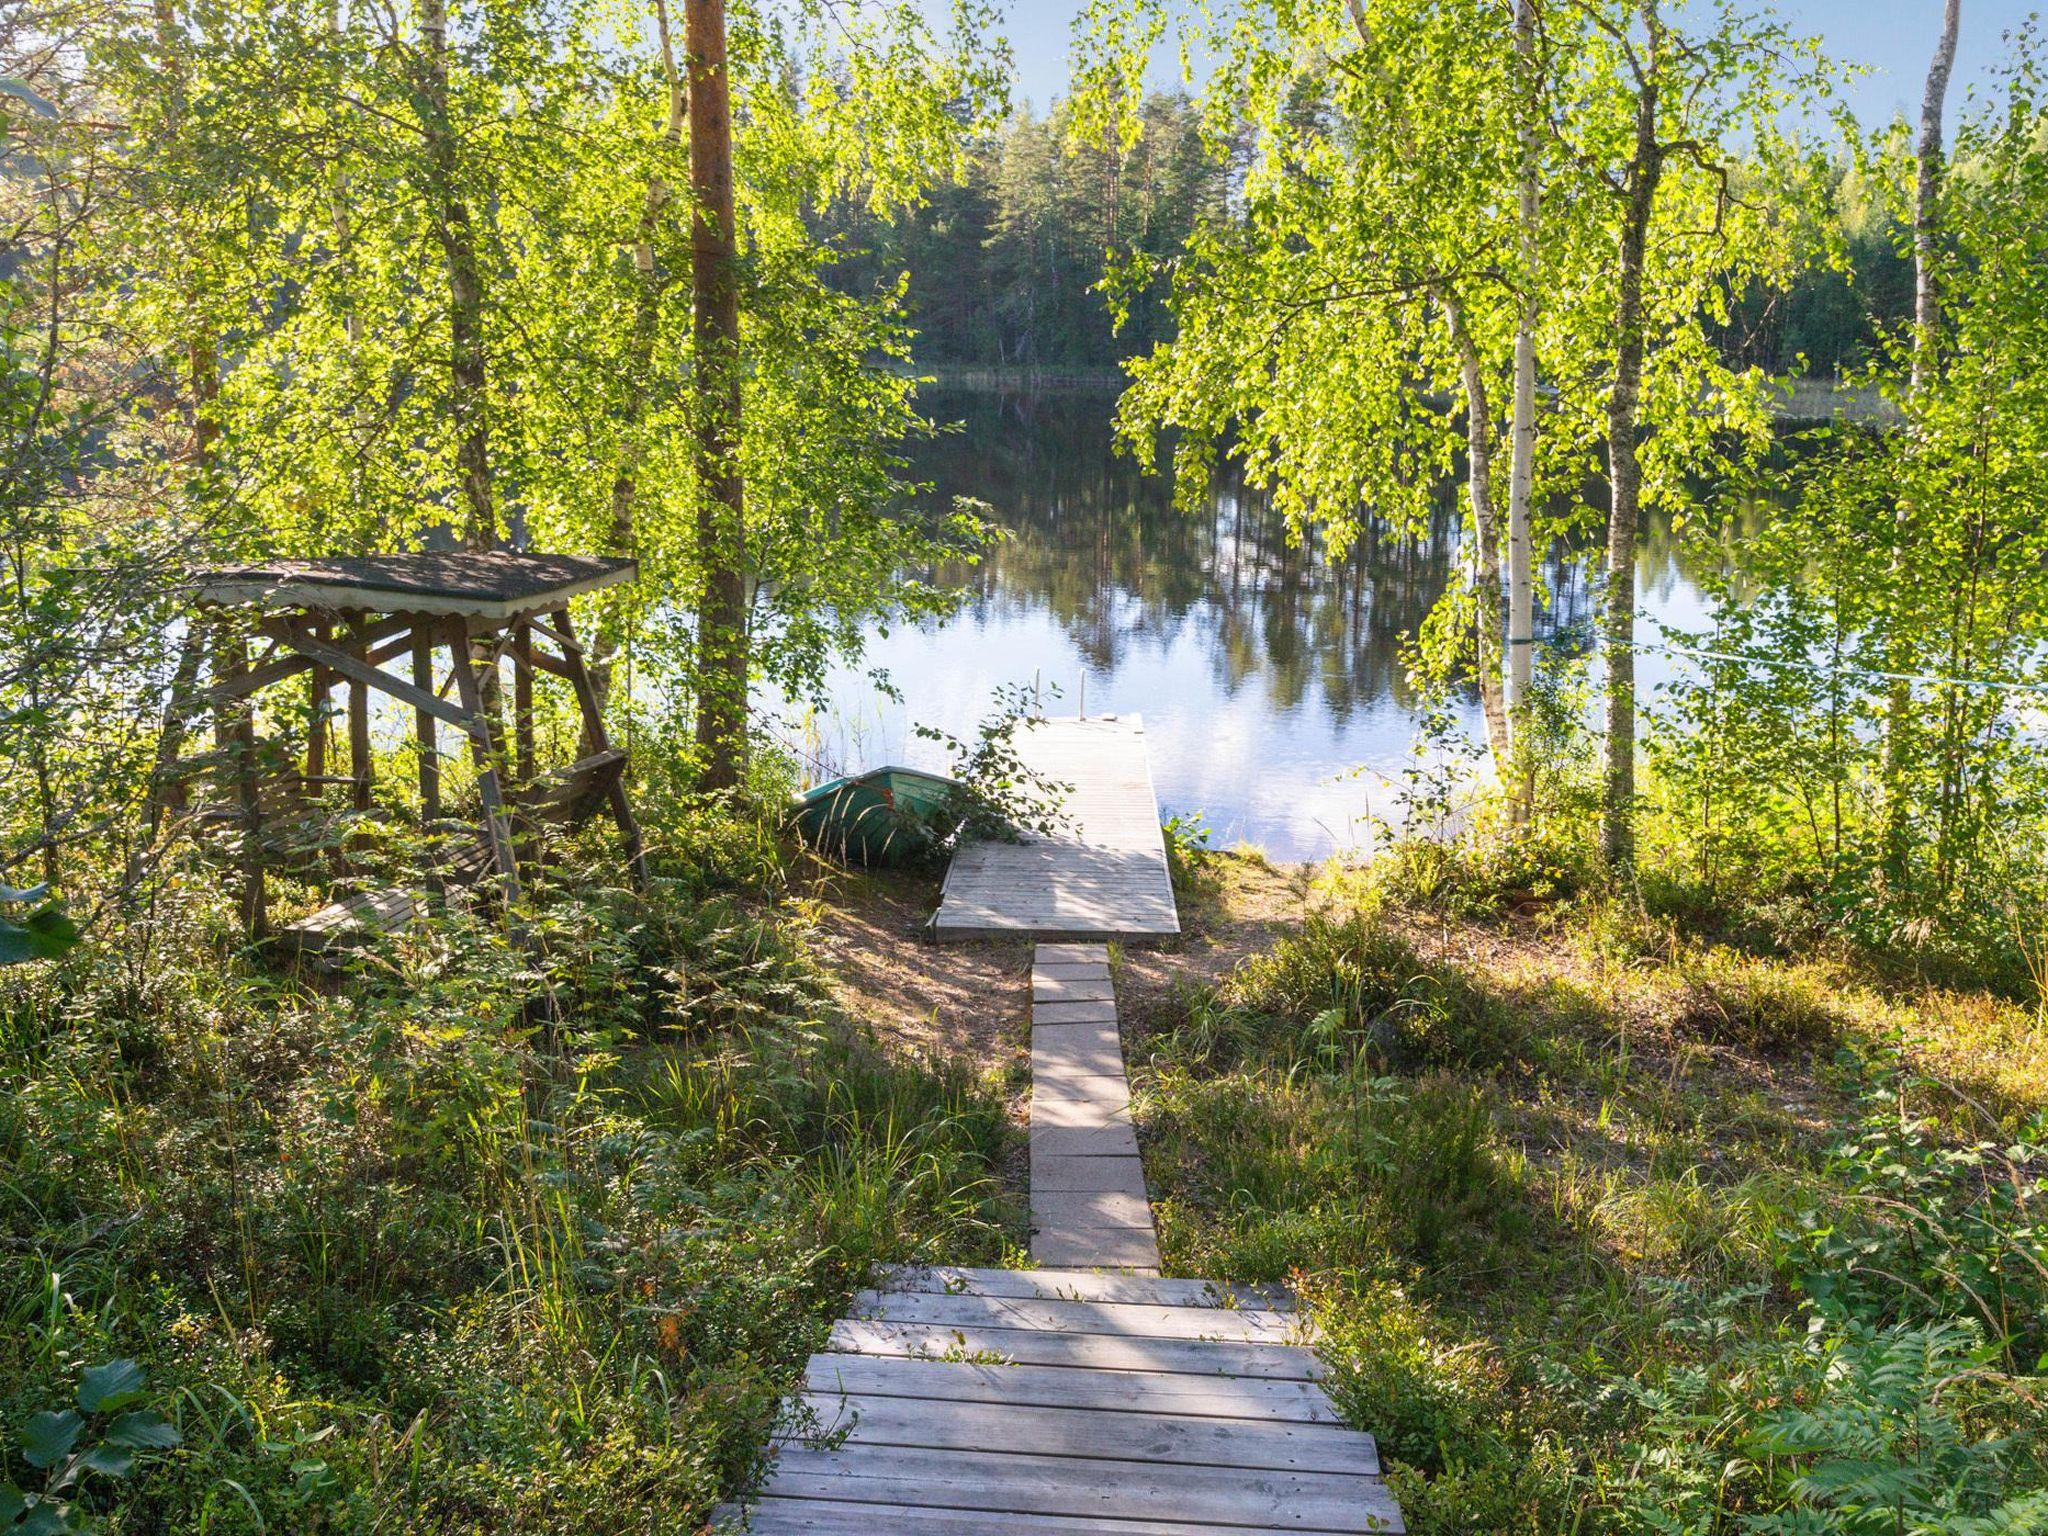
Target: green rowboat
[(889, 815)]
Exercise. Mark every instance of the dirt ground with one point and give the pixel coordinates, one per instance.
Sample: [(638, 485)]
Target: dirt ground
[(971, 1001), (1243, 905)]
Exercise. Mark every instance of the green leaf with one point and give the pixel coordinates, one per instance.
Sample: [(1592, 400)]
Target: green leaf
[(49, 1438), (104, 1388), (144, 1430), (12, 1502), (48, 1519), (23, 893), (44, 935), (108, 1461)]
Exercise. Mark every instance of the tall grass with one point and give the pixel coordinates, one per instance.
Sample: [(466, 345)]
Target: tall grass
[(410, 1254), (1690, 1245)]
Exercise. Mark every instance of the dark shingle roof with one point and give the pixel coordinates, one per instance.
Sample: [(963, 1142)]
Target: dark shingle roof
[(498, 584)]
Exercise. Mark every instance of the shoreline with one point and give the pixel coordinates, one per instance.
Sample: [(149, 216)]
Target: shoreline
[(1802, 401)]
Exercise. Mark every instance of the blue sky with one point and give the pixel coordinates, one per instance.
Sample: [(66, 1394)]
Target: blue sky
[(1894, 37)]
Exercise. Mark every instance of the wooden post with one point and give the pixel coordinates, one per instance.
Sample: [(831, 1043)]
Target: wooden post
[(359, 725), (425, 734), (522, 696), (317, 685), (496, 824), (234, 731), (163, 791), (594, 733)]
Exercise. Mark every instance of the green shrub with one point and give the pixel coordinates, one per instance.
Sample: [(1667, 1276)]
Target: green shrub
[(495, 1236), (1519, 874), (1755, 1004), (1347, 987)]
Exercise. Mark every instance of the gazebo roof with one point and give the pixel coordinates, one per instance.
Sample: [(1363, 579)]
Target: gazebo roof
[(501, 584)]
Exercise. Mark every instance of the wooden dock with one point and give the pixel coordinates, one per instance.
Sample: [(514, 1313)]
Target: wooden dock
[(1102, 875), (1071, 1399)]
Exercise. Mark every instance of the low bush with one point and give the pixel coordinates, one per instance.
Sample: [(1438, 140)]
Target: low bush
[(497, 1236), (1349, 988), (1756, 1004), (1582, 1272)]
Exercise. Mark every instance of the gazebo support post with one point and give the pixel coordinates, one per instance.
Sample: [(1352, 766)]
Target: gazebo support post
[(578, 674), (425, 735), (317, 684), (178, 709), (470, 686), (234, 731), (359, 722), (522, 698)]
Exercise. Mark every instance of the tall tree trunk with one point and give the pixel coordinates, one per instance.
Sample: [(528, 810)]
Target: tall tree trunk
[(1486, 530), (721, 505), (469, 399), (202, 358), (1624, 474), (1521, 638), (623, 538), (338, 209), (1898, 740), (1927, 197)]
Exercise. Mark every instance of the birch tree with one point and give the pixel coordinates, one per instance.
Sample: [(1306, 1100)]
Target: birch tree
[(1446, 206), (447, 251), (721, 491), (1355, 325), (1926, 225)]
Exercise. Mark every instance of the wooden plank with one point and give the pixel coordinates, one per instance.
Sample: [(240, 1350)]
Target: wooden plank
[(1073, 954), (353, 920), (1132, 1248), (1054, 1112), (1068, 1485), (1053, 1209), (1117, 1139), (1246, 1324), (1043, 969), (1080, 1056), (1079, 1285), (1099, 1034), (1073, 1013), (1216, 1397), (1150, 1436), (1110, 1089), (1096, 1351), (839, 1517), (1072, 989), (1088, 1173)]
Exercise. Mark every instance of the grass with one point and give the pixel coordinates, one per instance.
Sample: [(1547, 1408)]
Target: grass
[(1612, 1230), (403, 1255)]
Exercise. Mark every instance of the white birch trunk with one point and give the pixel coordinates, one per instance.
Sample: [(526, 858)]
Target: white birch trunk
[(1522, 464), (1899, 724)]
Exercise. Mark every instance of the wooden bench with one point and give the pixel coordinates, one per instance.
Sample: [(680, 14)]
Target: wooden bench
[(571, 796), (350, 922)]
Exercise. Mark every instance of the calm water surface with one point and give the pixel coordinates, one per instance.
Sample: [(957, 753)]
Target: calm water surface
[(1269, 676)]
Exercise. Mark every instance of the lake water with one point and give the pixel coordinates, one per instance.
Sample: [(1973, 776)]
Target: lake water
[(1269, 676)]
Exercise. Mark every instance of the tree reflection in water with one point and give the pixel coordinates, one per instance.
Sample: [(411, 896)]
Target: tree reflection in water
[(1268, 672)]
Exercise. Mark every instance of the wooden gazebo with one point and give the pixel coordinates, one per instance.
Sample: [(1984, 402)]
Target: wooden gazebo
[(338, 621)]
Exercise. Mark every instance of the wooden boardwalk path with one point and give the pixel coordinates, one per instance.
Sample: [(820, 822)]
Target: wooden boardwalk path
[(1088, 1204), (1090, 1396), (1102, 875)]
